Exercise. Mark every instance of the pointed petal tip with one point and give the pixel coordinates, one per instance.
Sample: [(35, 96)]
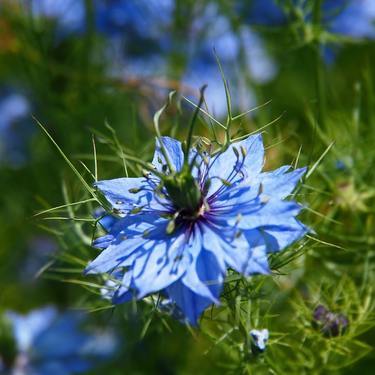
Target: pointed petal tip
[(301, 170), (89, 270)]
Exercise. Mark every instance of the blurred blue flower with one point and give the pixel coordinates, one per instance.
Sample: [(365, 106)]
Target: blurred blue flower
[(142, 40), (133, 17), (241, 53), (52, 343), (68, 14), (178, 232), (15, 128), (262, 12), (344, 164), (138, 37), (355, 18)]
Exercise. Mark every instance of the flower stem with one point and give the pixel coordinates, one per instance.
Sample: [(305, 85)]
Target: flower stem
[(192, 125)]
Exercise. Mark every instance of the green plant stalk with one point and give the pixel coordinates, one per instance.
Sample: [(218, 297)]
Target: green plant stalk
[(320, 88)]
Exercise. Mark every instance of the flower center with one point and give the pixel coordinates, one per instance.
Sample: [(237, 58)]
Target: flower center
[(185, 215), (185, 194)]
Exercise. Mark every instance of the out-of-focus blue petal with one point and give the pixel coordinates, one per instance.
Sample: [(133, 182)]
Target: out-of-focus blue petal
[(15, 128), (259, 64), (28, 327), (70, 14), (66, 366), (198, 74), (356, 18), (63, 337), (100, 345), (141, 18), (50, 343), (264, 12), (48, 368)]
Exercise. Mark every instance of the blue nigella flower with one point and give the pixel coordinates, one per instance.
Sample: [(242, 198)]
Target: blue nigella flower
[(242, 55), (15, 128), (49, 343), (262, 12), (68, 14), (120, 17), (180, 228), (138, 36), (353, 18)]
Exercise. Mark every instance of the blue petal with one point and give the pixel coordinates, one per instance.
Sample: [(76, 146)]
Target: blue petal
[(122, 297), (281, 236), (278, 183), (123, 199), (204, 276), (106, 221), (126, 240), (155, 260), (116, 255), (229, 249), (174, 152), (235, 199), (136, 225), (191, 304), (271, 239), (232, 168), (119, 287), (257, 262), (161, 264), (103, 242), (273, 213)]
